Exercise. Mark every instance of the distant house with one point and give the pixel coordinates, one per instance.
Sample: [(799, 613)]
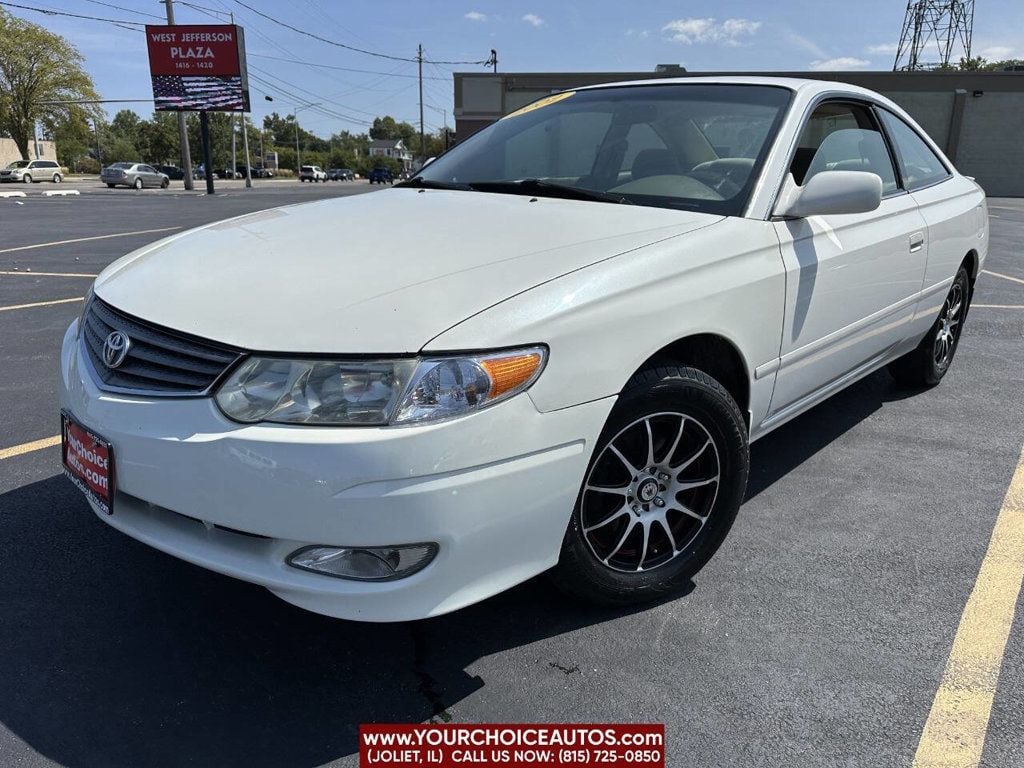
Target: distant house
[(392, 148)]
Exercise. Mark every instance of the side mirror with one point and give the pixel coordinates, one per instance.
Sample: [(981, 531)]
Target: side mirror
[(830, 192)]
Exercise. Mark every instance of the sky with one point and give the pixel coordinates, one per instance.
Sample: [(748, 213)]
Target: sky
[(568, 35)]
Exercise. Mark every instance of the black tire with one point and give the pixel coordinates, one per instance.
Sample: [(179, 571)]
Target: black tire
[(165, 184), (27, 178), (111, 186), (711, 415), (138, 183), (928, 362), (57, 178)]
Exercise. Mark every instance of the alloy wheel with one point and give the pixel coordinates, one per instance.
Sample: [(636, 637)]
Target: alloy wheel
[(948, 332), (650, 492)]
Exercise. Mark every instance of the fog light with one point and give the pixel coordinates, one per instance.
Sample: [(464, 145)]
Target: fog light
[(364, 563)]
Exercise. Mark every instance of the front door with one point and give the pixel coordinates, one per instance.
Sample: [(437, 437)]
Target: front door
[(852, 280)]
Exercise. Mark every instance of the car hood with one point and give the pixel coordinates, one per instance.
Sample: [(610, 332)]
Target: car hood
[(373, 273)]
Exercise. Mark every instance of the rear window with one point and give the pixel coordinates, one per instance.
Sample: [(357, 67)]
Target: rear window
[(122, 166), (307, 168)]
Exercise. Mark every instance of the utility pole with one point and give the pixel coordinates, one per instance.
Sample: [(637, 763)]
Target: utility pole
[(186, 155), (245, 146), (423, 136), (494, 60), (298, 157), (234, 153)]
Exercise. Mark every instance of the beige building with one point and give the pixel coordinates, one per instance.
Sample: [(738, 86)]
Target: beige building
[(9, 151), (976, 117)]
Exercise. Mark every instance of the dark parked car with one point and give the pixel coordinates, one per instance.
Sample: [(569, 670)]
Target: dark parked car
[(173, 172), (263, 173), (381, 176), (341, 174)]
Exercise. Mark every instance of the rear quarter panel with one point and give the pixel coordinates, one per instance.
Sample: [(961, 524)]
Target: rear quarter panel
[(604, 321)]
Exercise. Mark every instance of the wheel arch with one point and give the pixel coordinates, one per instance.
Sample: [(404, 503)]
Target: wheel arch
[(972, 263), (715, 355)]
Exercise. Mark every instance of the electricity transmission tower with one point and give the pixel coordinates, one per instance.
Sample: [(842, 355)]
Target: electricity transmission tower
[(934, 25)]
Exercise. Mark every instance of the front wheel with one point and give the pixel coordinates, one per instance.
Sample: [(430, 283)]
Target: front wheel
[(927, 363), (662, 490), (27, 178), (138, 184), (110, 186), (165, 184)]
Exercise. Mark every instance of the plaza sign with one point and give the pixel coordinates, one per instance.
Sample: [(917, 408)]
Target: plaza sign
[(198, 67)]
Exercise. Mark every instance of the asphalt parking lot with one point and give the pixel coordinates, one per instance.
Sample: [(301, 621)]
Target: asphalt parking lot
[(817, 636)]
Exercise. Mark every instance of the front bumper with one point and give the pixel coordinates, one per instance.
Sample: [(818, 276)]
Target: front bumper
[(494, 490)]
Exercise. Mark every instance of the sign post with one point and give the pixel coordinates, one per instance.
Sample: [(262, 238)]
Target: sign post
[(199, 68)]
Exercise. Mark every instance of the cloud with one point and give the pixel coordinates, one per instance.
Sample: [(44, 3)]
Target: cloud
[(998, 53), (534, 19), (642, 34), (838, 63), (883, 48), (475, 16), (709, 30)]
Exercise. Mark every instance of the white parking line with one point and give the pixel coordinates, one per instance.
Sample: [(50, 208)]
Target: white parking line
[(87, 239), (997, 306), (47, 274), (1004, 277), (41, 304)]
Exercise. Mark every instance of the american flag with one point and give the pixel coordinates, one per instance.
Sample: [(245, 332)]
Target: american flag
[(198, 93)]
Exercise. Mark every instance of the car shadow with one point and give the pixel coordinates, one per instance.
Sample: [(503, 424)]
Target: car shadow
[(112, 653)]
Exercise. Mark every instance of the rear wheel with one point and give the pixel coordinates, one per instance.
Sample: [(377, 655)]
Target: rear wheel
[(928, 362), (57, 178), (110, 186), (137, 184), (165, 184), (661, 492)]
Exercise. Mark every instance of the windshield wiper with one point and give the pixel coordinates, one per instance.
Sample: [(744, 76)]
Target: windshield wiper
[(548, 189), (418, 182)]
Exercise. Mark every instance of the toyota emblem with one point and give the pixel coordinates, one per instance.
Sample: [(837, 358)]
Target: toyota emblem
[(115, 349)]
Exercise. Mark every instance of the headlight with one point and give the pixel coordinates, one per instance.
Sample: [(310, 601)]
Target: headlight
[(377, 392)]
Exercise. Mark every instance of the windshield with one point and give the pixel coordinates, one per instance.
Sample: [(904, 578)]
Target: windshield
[(19, 164), (696, 147)]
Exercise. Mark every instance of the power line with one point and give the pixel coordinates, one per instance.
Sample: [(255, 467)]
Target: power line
[(343, 45), (299, 101), (126, 10), (49, 12), (332, 66)]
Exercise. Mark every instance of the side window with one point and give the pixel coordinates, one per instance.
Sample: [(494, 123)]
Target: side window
[(146, 169), (843, 137), (919, 166)]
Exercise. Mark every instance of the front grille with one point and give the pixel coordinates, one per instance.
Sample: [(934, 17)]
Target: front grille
[(159, 363)]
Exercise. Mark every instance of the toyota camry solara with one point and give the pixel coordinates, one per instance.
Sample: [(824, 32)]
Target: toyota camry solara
[(581, 318)]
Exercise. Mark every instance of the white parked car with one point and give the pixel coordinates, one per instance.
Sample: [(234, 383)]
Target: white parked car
[(590, 310), (312, 173)]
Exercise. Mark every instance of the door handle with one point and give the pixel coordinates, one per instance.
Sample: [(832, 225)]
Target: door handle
[(916, 242)]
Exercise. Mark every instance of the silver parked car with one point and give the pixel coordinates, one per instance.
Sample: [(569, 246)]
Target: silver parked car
[(136, 175), (28, 171)]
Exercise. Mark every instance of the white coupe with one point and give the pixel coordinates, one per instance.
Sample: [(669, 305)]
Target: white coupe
[(558, 362)]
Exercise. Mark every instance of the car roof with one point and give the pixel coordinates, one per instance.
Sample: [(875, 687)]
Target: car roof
[(804, 85)]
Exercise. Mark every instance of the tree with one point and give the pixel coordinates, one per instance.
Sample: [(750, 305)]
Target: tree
[(38, 66)]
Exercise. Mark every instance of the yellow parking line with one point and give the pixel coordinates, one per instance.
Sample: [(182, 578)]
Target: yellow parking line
[(40, 304), (48, 274), (35, 445), (87, 239), (954, 734), (1005, 277)]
